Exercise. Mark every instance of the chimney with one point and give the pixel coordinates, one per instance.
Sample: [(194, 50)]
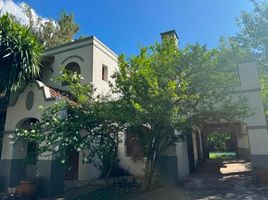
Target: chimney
[(172, 34)]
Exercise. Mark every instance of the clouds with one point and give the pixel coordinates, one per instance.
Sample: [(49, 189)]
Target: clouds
[(17, 9), (14, 9)]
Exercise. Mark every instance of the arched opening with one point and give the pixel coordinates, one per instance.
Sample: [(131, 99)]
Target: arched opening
[(221, 144), (133, 148), (73, 67), (226, 148), (29, 150)]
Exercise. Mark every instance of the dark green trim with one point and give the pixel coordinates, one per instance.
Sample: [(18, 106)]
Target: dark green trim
[(51, 177), (70, 43), (168, 168), (12, 171), (243, 153), (69, 49), (259, 161)]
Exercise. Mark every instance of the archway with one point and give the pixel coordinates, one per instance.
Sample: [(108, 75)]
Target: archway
[(235, 133), (74, 68), (221, 144)]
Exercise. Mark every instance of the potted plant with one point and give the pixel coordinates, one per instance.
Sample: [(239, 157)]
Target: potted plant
[(28, 186)]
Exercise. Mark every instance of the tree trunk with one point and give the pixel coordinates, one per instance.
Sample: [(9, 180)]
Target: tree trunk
[(148, 173), (112, 161)]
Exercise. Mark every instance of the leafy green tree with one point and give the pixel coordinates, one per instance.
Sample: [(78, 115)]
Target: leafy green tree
[(252, 37), (254, 29), (52, 33), (20, 53), (220, 141), (84, 124), (164, 89)]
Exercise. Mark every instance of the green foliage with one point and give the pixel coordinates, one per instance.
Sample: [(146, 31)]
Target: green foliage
[(219, 141), (252, 37), (20, 54), (254, 29), (52, 33), (84, 124), (164, 89), (222, 155)]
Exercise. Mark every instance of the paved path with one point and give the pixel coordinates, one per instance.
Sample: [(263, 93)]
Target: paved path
[(215, 180), (224, 180)]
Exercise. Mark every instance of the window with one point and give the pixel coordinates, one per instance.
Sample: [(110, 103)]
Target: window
[(104, 74), (133, 148), (30, 100), (73, 67)]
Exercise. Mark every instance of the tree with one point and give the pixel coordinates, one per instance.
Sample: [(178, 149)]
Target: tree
[(254, 29), (20, 54), (220, 141), (252, 37), (83, 123), (164, 89), (50, 32)]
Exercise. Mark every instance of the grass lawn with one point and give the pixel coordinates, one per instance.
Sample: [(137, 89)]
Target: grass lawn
[(110, 193), (222, 155)]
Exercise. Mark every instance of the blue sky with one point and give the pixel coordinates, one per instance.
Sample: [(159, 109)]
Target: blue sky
[(125, 25)]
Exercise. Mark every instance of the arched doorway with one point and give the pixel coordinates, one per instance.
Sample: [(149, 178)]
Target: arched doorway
[(233, 135), (221, 144)]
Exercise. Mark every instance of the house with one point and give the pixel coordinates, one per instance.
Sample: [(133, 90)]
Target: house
[(96, 63)]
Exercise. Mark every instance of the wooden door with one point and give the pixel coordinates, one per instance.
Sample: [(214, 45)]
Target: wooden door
[(72, 164)]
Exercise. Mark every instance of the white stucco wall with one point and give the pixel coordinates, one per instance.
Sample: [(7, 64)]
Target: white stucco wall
[(87, 171), (103, 56), (256, 124), (17, 113), (91, 54), (80, 52)]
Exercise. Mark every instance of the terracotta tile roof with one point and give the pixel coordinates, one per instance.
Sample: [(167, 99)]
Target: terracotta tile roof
[(61, 95)]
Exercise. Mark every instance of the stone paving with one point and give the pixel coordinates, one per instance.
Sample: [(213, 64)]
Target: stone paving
[(215, 180), (224, 180)]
